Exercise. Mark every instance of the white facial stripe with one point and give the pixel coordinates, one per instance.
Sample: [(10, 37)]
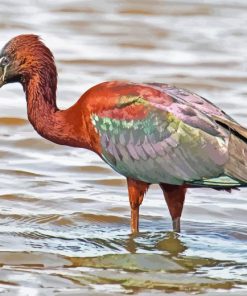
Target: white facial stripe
[(1, 59)]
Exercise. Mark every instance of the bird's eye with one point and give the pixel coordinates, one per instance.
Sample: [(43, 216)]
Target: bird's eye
[(4, 61)]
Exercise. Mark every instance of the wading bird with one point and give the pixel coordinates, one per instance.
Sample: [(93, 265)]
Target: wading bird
[(149, 133)]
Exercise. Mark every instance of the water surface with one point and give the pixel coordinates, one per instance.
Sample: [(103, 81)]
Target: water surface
[(64, 215)]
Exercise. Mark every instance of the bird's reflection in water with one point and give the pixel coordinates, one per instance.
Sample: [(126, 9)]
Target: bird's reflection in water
[(131, 245), (171, 244)]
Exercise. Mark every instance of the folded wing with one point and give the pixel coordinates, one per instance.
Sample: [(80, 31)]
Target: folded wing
[(159, 142)]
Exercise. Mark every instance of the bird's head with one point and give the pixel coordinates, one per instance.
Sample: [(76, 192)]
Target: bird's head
[(25, 57)]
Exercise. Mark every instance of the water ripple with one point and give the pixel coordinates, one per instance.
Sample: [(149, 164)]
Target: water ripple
[(64, 225)]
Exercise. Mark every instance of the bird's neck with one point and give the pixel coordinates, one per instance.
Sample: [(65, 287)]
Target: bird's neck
[(58, 126)]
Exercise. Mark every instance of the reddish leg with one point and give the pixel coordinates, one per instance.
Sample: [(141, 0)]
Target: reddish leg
[(174, 196), (136, 189)]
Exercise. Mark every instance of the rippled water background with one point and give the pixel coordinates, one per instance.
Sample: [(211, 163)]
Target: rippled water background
[(64, 215)]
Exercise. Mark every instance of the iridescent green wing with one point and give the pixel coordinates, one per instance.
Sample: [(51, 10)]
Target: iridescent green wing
[(160, 143)]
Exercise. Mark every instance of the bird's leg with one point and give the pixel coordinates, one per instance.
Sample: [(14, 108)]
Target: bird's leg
[(174, 196), (136, 189)]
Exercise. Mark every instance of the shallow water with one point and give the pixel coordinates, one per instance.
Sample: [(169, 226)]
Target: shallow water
[(64, 215)]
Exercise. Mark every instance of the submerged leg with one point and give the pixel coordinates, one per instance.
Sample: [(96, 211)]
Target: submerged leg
[(174, 196), (136, 189)]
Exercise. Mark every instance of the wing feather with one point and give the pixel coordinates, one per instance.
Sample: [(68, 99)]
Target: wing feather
[(171, 143)]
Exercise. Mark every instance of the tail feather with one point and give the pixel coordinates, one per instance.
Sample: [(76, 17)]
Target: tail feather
[(236, 165)]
